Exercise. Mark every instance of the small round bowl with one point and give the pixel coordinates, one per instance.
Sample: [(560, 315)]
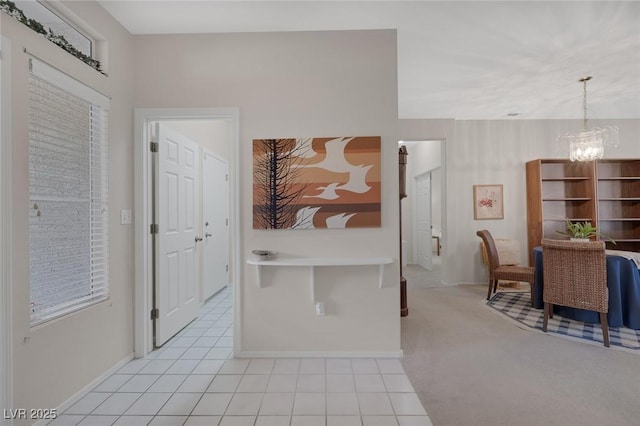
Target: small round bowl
[(264, 254)]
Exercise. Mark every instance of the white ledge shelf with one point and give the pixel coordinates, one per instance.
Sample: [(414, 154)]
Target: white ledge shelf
[(313, 262)]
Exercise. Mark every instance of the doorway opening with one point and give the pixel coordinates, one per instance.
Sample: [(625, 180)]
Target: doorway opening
[(186, 201), (422, 224)]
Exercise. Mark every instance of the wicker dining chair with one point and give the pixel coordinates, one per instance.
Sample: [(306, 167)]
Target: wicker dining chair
[(503, 272), (575, 275)]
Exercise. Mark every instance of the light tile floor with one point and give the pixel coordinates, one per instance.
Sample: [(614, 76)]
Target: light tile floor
[(194, 380)]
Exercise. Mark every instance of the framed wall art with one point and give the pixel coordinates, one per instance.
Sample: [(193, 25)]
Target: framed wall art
[(309, 183), (487, 202)]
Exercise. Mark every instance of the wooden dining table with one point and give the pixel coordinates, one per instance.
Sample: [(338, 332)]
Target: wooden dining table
[(623, 282)]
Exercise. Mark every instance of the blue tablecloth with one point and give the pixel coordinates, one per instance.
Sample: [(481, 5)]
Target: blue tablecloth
[(623, 280)]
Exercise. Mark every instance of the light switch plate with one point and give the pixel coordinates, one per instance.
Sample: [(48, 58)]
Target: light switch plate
[(125, 217)]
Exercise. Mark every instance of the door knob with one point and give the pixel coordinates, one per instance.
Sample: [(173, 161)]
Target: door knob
[(207, 235), (198, 239)]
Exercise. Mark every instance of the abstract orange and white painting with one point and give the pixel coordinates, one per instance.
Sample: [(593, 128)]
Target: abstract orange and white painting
[(312, 183)]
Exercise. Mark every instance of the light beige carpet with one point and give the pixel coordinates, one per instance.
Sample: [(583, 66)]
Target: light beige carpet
[(471, 367)]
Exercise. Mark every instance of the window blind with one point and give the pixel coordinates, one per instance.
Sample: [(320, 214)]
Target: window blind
[(68, 235)]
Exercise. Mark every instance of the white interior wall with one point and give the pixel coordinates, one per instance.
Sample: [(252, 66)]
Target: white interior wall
[(297, 85), (495, 152), (55, 360), (6, 371), (214, 135), (93, 340)]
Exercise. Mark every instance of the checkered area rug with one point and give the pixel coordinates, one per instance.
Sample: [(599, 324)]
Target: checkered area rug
[(517, 306)]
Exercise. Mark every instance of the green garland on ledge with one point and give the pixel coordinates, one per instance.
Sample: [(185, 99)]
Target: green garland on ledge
[(11, 9)]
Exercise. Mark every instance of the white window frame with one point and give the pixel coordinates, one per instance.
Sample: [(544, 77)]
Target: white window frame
[(53, 8), (65, 82)]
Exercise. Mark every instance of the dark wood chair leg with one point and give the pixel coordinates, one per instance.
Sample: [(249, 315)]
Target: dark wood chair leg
[(531, 289), (495, 285), (605, 328), (489, 290), (546, 316)]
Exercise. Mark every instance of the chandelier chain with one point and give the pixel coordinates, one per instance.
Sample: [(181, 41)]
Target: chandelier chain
[(584, 99)]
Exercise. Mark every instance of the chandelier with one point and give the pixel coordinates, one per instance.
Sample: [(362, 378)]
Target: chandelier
[(589, 143)]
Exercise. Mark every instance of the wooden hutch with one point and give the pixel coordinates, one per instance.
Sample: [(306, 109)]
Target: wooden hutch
[(603, 192)]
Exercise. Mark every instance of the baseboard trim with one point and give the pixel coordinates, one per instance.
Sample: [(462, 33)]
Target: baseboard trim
[(85, 390), (321, 354)]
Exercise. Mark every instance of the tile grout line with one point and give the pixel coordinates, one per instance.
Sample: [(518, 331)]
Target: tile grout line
[(277, 367)]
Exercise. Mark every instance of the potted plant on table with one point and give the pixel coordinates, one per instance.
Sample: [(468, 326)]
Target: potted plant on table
[(582, 231)]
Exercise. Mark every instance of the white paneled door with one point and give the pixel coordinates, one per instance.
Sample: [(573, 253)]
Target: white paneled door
[(423, 220), (215, 203), (177, 262)]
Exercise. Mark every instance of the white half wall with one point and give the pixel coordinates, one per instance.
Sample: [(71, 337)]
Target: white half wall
[(305, 84)]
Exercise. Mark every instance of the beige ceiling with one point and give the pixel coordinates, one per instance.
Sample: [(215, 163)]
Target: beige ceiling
[(464, 60)]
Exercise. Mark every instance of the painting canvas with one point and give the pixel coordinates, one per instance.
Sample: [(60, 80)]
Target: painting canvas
[(487, 202), (310, 183)]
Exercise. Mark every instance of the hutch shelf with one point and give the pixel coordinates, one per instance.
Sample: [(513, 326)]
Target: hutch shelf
[(604, 192)]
